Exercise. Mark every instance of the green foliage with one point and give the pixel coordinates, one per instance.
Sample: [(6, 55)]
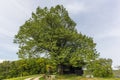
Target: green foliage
[(52, 34), (100, 68), (24, 67)]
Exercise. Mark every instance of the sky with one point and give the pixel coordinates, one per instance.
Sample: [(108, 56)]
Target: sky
[(99, 19)]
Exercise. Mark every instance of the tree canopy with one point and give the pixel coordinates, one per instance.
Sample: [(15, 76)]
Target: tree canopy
[(52, 33)]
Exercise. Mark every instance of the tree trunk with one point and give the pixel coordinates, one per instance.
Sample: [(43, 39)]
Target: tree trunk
[(60, 69)]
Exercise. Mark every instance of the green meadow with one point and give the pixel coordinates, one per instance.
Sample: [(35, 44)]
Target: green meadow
[(63, 77)]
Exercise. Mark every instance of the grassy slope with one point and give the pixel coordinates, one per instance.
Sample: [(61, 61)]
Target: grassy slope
[(22, 78)]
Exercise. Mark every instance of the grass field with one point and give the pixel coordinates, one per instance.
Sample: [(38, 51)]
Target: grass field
[(73, 77), (64, 77), (22, 78)]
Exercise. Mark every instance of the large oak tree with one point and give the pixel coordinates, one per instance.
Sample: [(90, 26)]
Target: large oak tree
[(52, 33)]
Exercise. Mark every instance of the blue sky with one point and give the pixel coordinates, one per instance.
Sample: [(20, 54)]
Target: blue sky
[(99, 19)]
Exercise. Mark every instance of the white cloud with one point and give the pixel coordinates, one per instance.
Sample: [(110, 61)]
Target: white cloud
[(9, 47), (115, 32), (5, 32), (21, 6), (75, 7)]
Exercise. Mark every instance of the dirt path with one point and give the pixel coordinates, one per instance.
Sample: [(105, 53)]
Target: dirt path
[(28, 78), (37, 78), (32, 78)]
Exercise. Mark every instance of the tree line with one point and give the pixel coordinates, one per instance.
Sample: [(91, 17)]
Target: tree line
[(25, 67)]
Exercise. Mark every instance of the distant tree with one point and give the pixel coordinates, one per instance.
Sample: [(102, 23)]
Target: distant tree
[(52, 32), (100, 68)]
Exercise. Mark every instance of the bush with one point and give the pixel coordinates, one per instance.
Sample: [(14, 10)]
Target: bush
[(100, 68)]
